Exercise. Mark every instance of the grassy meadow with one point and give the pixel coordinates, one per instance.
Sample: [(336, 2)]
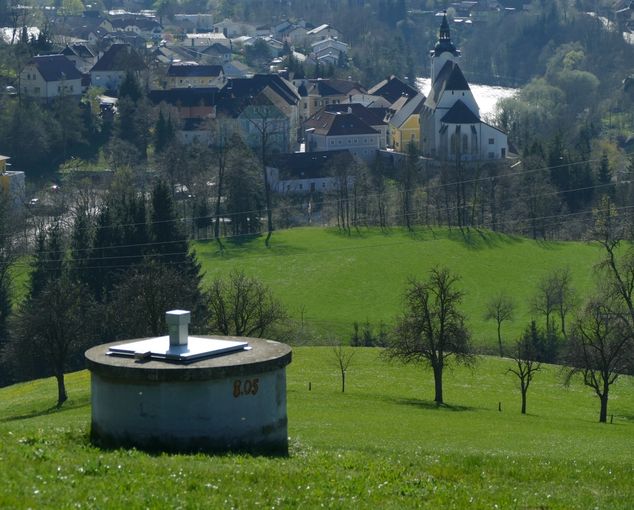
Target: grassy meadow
[(382, 444), (334, 279)]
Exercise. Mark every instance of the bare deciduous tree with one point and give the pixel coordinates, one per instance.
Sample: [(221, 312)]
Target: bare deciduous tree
[(555, 297), (601, 348), (500, 308), (432, 328), (343, 357), (525, 357)]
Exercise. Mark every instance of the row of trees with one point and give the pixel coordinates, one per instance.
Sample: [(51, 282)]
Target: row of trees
[(112, 272), (598, 344)]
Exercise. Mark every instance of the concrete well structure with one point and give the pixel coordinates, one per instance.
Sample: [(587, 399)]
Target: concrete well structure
[(229, 402)]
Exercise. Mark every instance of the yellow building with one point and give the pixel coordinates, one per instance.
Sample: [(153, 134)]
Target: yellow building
[(405, 124), (12, 182)]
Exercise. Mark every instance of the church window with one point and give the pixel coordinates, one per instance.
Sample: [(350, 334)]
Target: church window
[(454, 144), (465, 143)]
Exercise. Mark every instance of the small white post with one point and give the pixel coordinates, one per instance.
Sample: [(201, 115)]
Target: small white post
[(178, 324)]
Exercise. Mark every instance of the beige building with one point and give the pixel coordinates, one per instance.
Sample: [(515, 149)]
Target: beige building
[(50, 76)]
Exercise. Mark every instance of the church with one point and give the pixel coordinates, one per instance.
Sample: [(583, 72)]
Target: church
[(451, 127)]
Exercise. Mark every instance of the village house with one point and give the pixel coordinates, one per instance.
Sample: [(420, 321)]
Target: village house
[(317, 93), (47, 77), (12, 183), (329, 51), (405, 124), (262, 104), (143, 26), (111, 69), (193, 75), (81, 56), (307, 172), (322, 32), (373, 117), (233, 29), (327, 131)]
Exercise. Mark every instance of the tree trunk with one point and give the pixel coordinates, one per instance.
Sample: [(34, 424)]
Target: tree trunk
[(603, 415), (221, 172), (438, 385), (343, 381), (500, 339), (269, 214), (523, 400), (61, 389)]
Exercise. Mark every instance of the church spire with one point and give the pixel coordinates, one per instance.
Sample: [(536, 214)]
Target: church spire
[(444, 39), (445, 35), (444, 51)]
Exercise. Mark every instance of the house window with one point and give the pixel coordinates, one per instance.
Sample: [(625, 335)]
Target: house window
[(301, 186), (491, 141)]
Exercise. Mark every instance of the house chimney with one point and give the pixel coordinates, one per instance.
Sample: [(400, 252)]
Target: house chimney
[(178, 325)]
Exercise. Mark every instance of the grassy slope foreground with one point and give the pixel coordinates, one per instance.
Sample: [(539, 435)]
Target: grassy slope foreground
[(379, 445), (338, 279)]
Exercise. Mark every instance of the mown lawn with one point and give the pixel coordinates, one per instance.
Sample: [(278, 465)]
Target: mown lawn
[(382, 444), (333, 279)]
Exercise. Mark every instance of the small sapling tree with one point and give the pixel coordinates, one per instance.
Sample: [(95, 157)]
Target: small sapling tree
[(525, 355), (432, 328), (500, 308), (343, 357)]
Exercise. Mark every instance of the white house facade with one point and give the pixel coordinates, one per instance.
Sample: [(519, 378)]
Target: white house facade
[(50, 76)]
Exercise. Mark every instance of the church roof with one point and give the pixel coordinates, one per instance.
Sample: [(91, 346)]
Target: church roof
[(450, 77), (460, 113)]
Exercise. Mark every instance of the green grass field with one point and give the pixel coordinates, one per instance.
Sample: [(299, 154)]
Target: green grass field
[(336, 279), (382, 444)]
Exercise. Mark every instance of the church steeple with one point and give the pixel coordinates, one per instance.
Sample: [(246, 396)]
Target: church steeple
[(444, 50), (444, 28), (444, 40)]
